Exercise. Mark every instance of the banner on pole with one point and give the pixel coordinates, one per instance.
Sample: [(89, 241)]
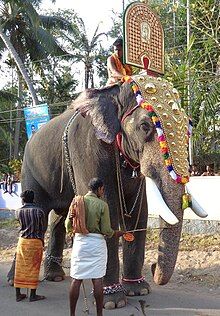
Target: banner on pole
[(35, 117)]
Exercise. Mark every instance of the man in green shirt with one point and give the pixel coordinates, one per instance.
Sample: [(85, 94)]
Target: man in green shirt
[(89, 253)]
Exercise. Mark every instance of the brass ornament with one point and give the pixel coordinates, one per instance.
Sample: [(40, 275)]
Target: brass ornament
[(150, 88), (172, 118)]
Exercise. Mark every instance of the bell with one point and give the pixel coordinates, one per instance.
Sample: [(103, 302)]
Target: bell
[(124, 164), (134, 174)]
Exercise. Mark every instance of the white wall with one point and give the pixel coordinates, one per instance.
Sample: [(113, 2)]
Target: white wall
[(206, 192)]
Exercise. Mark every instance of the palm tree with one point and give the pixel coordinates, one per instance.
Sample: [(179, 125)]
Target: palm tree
[(84, 50), (24, 33)]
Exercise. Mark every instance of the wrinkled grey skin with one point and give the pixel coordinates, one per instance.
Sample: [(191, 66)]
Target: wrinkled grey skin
[(93, 157)]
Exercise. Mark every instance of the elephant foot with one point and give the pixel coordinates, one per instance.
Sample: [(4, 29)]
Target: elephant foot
[(136, 287), (114, 296), (11, 282), (53, 270), (11, 273)]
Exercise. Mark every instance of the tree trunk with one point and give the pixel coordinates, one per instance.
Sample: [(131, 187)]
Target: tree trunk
[(18, 119), (20, 65)]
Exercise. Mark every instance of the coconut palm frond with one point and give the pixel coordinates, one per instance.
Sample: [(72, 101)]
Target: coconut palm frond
[(49, 43), (51, 22), (7, 96)]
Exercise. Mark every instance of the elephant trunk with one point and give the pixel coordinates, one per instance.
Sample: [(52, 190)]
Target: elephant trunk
[(169, 234)]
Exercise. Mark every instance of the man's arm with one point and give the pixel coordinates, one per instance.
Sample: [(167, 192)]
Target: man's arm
[(113, 69), (105, 224)]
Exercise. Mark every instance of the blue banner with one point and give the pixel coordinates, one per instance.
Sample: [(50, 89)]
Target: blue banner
[(35, 117)]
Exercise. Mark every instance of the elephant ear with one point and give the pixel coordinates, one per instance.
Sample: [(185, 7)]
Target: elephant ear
[(103, 111)]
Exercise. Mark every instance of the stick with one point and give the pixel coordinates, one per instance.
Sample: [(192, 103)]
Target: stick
[(135, 230), (85, 299), (142, 229)]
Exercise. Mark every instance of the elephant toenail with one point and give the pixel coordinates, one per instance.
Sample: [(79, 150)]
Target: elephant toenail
[(121, 303), (144, 292), (109, 305), (58, 279)]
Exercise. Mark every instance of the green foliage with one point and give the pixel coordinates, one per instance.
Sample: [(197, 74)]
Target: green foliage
[(192, 69), (15, 166)]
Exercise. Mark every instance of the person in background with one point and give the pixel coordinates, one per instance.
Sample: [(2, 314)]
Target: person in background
[(33, 129), (194, 171), (115, 67), (30, 247), (5, 182), (208, 172), (89, 217)]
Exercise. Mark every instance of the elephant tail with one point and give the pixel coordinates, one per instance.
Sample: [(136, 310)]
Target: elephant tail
[(62, 166)]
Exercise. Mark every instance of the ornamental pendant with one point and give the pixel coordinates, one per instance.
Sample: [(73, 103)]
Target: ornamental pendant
[(127, 215)]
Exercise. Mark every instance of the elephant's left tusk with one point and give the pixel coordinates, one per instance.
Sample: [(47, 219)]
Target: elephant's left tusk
[(157, 204), (197, 208)]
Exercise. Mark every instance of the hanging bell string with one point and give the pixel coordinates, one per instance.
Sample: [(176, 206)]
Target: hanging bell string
[(134, 173)]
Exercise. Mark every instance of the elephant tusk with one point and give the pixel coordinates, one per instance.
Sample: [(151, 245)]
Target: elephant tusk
[(197, 208), (156, 203)]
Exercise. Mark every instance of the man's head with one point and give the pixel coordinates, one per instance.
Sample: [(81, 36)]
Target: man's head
[(96, 185), (27, 196), (118, 47)]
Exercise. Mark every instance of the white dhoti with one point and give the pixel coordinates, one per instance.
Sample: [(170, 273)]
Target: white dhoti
[(89, 256)]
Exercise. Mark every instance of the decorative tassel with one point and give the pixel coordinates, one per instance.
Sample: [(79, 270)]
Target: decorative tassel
[(186, 201)]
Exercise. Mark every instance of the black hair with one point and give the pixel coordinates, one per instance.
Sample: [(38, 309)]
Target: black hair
[(27, 196), (95, 183), (118, 42)]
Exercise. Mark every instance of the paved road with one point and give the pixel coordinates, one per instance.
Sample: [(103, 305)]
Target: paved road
[(169, 300)]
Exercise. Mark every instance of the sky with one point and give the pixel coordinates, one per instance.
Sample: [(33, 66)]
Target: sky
[(91, 11)]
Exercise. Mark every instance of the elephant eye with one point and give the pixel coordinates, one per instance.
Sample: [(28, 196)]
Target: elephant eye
[(144, 126)]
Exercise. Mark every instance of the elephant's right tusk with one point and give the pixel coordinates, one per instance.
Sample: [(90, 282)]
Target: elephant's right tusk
[(156, 203)]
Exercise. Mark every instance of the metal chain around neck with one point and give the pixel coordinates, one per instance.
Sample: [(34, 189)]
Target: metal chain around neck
[(67, 153), (123, 207)]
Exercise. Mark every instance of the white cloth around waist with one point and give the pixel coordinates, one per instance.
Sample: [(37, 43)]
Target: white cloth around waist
[(89, 256)]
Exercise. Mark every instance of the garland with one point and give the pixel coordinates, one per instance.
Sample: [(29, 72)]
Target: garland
[(160, 133)]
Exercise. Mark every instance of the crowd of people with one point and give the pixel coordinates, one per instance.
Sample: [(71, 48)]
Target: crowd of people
[(7, 183), (195, 172)]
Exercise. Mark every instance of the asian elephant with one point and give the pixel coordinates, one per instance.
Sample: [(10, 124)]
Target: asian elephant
[(135, 127)]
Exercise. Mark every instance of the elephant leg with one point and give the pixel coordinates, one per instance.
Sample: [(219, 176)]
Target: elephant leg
[(114, 296), (53, 260), (133, 257)]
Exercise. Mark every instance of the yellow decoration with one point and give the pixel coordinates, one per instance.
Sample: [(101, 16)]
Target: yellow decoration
[(172, 117)]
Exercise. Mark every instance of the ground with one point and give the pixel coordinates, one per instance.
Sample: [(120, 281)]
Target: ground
[(198, 260)]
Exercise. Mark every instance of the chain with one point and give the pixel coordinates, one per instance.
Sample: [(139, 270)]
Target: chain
[(122, 201), (66, 152), (50, 258), (112, 289)]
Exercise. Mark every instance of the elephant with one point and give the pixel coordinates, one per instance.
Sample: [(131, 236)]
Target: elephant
[(121, 134)]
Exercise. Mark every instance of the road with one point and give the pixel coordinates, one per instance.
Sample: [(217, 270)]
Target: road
[(169, 300)]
